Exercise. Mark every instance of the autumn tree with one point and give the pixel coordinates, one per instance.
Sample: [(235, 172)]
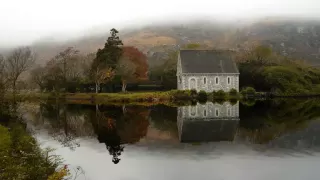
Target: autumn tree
[(18, 61), (101, 75), (106, 59), (139, 59), (126, 69)]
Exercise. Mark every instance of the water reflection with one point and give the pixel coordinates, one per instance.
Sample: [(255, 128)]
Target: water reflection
[(116, 126), (112, 125), (208, 122), (266, 125)]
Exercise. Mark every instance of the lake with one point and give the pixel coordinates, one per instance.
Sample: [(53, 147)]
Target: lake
[(256, 140)]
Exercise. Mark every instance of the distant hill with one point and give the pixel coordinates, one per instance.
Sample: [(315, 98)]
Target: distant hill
[(291, 37)]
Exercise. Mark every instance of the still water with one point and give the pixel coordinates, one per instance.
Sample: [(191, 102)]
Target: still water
[(262, 140)]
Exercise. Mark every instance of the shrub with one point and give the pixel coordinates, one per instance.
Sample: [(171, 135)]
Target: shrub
[(219, 94), (248, 102), (202, 96), (233, 92), (219, 101), (180, 94), (248, 91), (233, 101), (193, 93), (193, 102), (20, 148)]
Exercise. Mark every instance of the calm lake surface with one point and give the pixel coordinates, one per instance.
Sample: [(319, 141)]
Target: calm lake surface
[(262, 140)]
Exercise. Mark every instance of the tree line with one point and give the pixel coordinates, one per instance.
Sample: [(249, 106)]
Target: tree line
[(70, 69), (116, 64)]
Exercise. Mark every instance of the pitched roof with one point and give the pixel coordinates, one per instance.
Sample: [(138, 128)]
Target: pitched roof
[(207, 61)]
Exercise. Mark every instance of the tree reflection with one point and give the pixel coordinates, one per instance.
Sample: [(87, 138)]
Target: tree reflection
[(59, 129), (106, 130), (65, 123), (116, 126), (269, 120)]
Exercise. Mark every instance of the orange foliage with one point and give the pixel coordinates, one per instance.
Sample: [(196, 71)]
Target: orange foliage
[(136, 126), (139, 59)]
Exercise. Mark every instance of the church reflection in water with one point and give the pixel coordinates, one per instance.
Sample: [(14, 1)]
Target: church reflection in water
[(208, 122)]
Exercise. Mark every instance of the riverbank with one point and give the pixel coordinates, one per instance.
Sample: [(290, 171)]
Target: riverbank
[(22, 158), (169, 98), (160, 97)]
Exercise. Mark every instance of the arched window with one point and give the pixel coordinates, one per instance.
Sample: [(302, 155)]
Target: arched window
[(229, 112), (229, 80), (217, 112), (204, 80), (193, 111), (217, 80), (205, 113)]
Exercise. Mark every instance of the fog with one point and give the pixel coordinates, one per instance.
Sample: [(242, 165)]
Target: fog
[(23, 22)]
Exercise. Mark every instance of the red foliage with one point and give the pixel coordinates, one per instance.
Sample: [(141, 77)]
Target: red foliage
[(139, 59)]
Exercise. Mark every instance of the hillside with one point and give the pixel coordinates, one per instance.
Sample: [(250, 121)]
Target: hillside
[(296, 38)]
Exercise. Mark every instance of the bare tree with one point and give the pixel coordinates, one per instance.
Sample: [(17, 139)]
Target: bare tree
[(18, 62), (54, 75), (126, 69), (86, 62), (68, 58), (38, 76), (3, 76)]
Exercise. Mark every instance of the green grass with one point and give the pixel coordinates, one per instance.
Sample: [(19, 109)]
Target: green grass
[(172, 98), (21, 157)]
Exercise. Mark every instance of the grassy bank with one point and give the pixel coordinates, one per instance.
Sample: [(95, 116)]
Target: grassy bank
[(163, 97), (170, 98), (22, 158)]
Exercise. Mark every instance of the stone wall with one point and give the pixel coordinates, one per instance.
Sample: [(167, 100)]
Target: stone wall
[(209, 111), (207, 82)]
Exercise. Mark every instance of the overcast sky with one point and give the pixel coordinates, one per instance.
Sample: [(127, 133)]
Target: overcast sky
[(23, 21)]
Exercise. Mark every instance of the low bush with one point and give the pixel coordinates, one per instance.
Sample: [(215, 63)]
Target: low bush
[(194, 102), (248, 91), (219, 94), (202, 96), (233, 92), (248, 102), (180, 94), (233, 101), (219, 101), (193, 93)]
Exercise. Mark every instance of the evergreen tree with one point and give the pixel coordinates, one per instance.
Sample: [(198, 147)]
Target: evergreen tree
[(110, 54)]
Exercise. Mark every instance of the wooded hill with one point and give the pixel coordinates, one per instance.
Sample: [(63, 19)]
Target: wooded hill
[(292, 37)]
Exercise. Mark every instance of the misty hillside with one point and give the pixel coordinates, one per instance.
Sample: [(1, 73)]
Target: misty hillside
[(296, 38)]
